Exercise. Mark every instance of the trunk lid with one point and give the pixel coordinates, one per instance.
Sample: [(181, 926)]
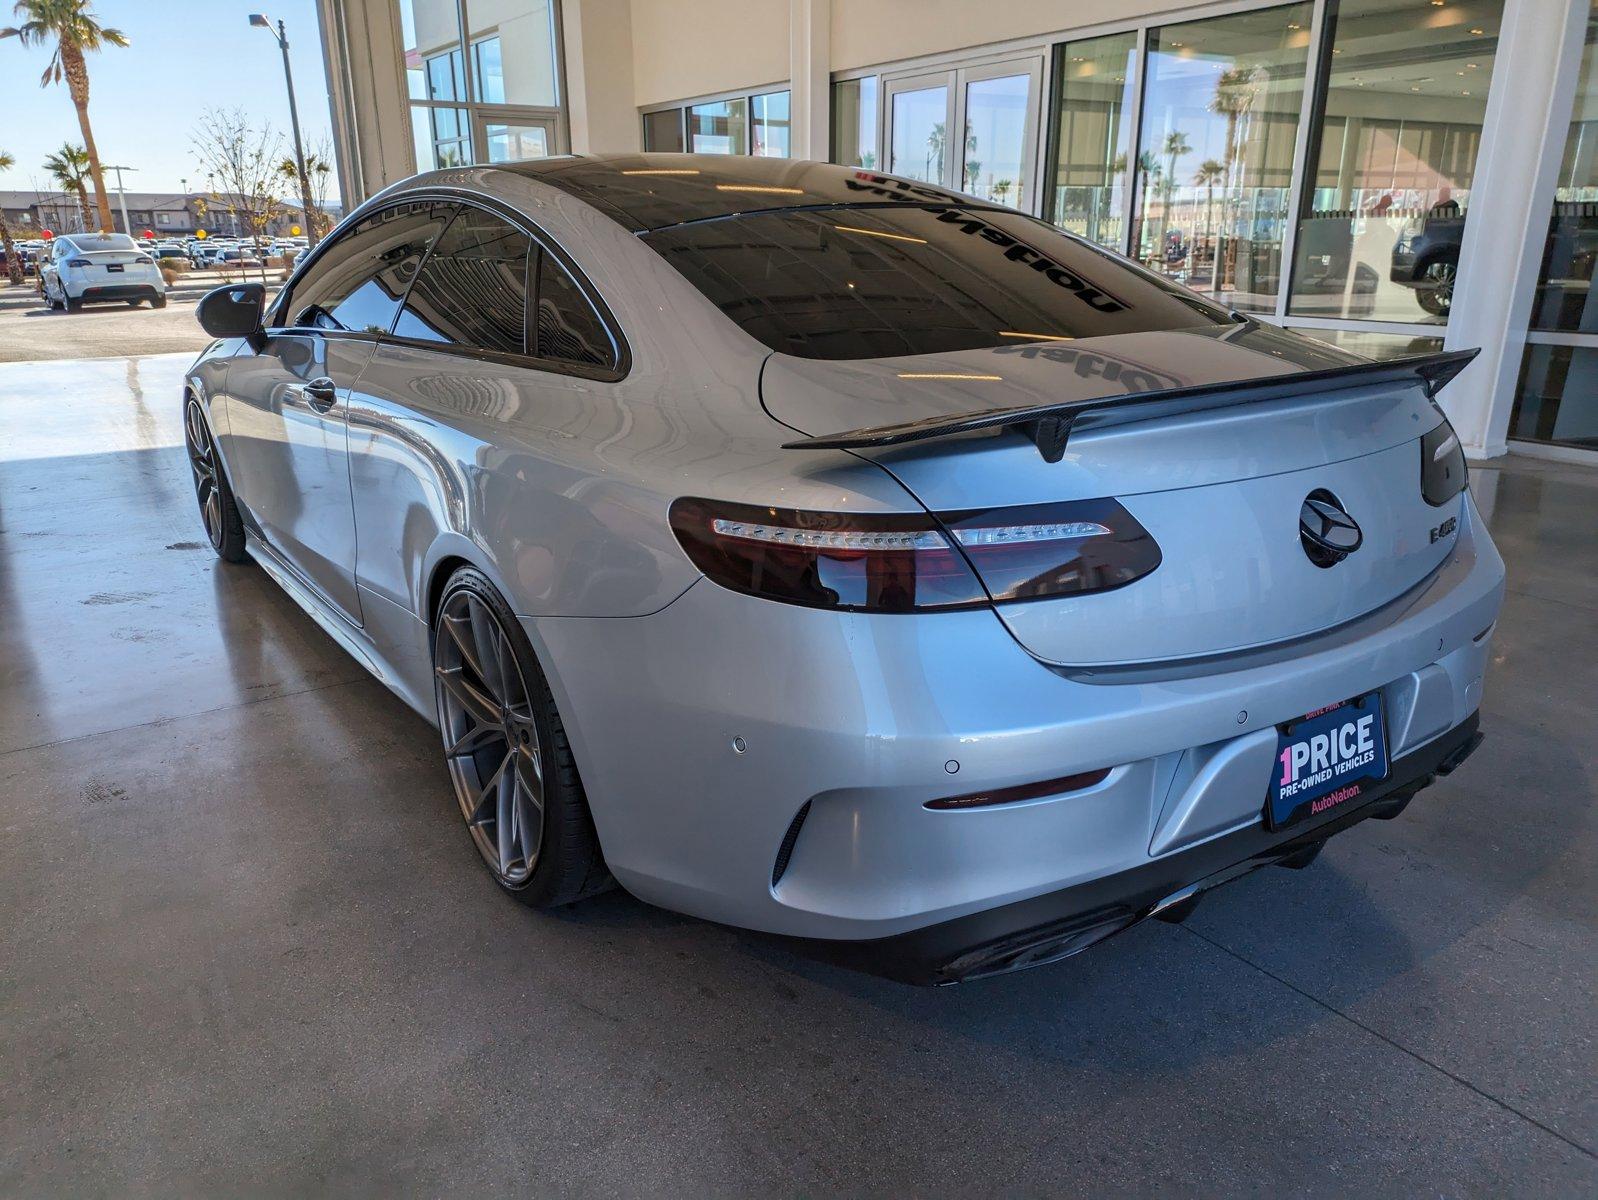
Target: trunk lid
[(1219, 489)]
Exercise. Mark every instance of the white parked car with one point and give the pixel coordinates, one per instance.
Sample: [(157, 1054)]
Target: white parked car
[(88, 268)]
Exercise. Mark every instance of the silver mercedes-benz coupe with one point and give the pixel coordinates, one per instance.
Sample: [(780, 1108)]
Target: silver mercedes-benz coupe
[(832, 555)]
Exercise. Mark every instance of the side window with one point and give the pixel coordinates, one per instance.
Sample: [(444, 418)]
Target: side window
[(565, 326), (357, 283), (472, 290)]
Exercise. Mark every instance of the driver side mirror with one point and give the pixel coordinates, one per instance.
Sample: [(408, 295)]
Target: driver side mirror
[(233, 311)]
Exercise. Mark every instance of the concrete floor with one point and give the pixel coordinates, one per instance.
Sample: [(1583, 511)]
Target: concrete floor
[(34, 333), (246, 946)]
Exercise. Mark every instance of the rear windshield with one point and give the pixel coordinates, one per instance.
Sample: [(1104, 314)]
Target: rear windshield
[(89, 242), (884, 282)]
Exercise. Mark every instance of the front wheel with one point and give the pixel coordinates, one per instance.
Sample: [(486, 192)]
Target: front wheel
[(220, 514), (1436, 295), (507, 754)]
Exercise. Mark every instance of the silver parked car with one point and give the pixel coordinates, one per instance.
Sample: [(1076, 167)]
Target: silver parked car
[(828, 554)]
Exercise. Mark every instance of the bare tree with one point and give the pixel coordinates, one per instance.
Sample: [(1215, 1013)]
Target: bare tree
[(242, 161)]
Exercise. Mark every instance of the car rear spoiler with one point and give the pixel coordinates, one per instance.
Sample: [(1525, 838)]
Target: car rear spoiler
[(1050, 425)]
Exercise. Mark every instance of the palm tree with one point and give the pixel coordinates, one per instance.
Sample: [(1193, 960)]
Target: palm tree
[(1176, 145), (71, 25), (317, 172), (1210, 173), (13, 259), (69, 167)]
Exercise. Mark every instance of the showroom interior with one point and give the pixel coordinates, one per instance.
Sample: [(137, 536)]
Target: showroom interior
[(1342, 167), (249, 946)]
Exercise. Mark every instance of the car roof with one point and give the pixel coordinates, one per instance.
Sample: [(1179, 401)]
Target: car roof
[(651, 191)]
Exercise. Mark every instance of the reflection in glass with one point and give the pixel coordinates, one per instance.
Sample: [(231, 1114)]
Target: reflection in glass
[(430, 30), (441, 137), (1220, 116), (770, 126), (995, 133), (1395, 154), (663, 131), (854, 122), (1564, 285), (512, 143), (1094, 120), (473, 289), (718, 127), (1376, 345), (490, 70), (920, 129), (513, 51), (1557, 398)]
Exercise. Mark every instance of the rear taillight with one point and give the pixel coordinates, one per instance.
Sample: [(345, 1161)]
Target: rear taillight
[(905, 562), (146, 260), (78, 262), (1442, 464), (854, 561), (1054, 549)]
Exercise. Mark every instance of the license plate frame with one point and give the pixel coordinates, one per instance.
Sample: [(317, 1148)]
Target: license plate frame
[(1341, 724), (116, 268)]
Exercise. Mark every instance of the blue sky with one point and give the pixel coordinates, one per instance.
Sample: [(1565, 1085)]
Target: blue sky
[(144, 101)]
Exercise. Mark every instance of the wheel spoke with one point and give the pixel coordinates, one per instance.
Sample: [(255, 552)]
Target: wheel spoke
[(485, 636), (213, 514), (460, 632), (505, 813), (472, 739), (478, 705), (486, 808), (530, 803)]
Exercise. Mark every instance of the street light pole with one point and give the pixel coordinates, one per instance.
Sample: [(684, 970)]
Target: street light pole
[(122, 196), (265, 23)]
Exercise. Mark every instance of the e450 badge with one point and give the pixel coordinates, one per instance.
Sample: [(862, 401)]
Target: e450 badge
[(1439, 532)]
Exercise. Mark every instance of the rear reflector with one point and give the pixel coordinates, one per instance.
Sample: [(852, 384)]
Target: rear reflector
[(1025, 791)]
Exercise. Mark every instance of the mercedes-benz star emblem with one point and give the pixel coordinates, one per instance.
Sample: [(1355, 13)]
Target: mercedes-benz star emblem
[(1328, 533)]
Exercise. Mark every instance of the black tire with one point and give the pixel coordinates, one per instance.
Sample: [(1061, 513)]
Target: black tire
[(70, 304), (219, 514), (158, 302), (133, 303), (568, 864)]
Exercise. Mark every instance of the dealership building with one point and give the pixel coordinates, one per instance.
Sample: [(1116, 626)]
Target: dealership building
[(1392, 176)]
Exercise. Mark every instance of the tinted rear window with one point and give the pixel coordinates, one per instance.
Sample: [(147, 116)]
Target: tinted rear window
[(885, 282)]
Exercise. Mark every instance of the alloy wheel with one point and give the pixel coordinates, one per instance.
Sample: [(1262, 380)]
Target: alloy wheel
[(1441, 277), (490, 736), (203, 462)]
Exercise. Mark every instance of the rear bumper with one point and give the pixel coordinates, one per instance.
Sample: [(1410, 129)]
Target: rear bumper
[(116, 291), (1059, 924), (704, 731)]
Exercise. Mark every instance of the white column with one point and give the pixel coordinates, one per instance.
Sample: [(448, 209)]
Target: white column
[(361, 45), (597, 39), (810, 69), (1523, 137)]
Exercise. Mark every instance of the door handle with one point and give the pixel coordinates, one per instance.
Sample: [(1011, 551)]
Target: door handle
[(321, 393)]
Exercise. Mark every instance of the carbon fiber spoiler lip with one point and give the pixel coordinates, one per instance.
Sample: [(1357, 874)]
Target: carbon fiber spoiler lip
[(1050, 425)]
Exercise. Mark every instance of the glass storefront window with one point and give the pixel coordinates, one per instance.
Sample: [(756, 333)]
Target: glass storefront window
[(1376, 345), (920, 129), (513, 44), (511, 143), (995, 133), (490, 69), (1093, 123), (1555, 400), (1564, 300), (770, 125), (431, 30), (1394, 154), (663, 131), (854, 122), (720, 127), (442, 137), (1220, 116)]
